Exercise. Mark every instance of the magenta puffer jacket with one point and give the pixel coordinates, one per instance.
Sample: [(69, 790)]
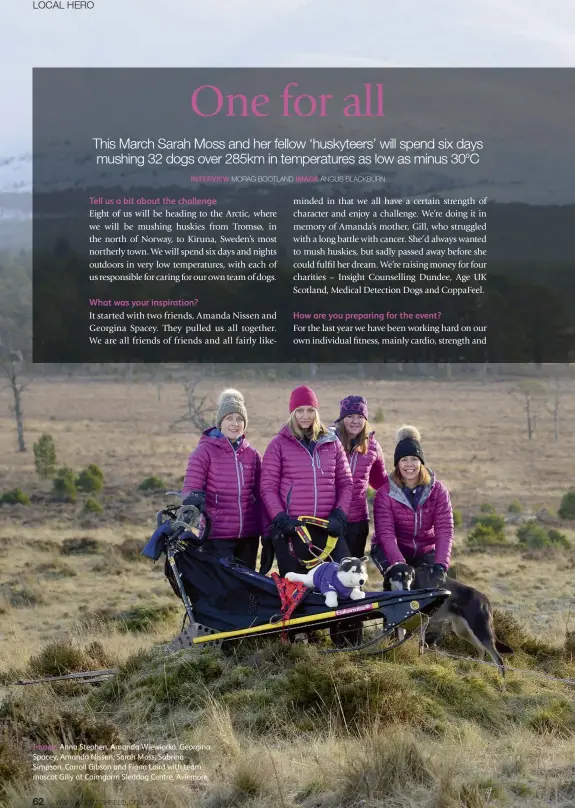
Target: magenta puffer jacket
[(400, 530), (230, 479), (301, 483), (367, 470)]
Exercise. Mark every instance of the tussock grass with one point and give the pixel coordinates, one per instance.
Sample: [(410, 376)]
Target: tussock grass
[(62, 657), (131, 549), (284, 693), (144, 618), (56, 568), (82, 545), (24, 591)]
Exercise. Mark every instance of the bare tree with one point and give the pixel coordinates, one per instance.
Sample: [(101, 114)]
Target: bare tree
[(553, 407), (12, 367), (530, 392), (198, 414), (159, 378), (560, 385)]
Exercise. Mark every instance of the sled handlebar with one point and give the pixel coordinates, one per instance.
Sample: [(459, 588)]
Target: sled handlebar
[(311, 520), (181, 517), (303, 533)]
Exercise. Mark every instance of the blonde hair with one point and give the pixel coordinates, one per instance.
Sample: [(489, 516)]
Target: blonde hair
[(316, 430), (424, 477), (346, 440)]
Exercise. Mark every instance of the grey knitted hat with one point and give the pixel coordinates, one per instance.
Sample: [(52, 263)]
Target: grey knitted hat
[(230, 401)]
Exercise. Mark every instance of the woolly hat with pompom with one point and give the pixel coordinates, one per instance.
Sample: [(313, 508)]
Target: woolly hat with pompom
[(408, 444), (230, 401)]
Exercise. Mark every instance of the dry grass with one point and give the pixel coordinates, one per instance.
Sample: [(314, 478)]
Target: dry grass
[(474, 439)]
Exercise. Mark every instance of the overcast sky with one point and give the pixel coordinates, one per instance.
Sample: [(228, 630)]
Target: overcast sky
[(180, 33)]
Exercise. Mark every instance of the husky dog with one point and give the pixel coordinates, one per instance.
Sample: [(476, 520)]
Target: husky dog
[(468, 613), (343, 579), (398, 578)]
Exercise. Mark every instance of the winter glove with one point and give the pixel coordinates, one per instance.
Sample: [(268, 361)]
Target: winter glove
[(285, 524), (196, 499), (337, 522), (267, 556), (437, 576)]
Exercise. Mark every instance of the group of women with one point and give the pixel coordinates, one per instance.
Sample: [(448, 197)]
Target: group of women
[(309, 469)]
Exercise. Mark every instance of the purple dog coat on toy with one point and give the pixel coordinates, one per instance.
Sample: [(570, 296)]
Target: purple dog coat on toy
[(325, 579)]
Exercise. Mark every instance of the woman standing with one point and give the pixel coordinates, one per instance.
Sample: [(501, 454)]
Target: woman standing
[(223, 477), (413, 513), (367, 466), (304, 473)]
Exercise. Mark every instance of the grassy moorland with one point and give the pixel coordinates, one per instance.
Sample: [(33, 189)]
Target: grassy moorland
[(285, 726)]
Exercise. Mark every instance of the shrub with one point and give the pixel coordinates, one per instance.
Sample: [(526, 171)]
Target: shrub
[(90, 480), (487, 507), (515, 507), (494, 521), (567, 507), (45, 456), (484, 536), (14, 497), (96, 471), (544, 515), (379, 416), (64, 485), (92, 506), (532, 534), (152, 483), (457, 518), (558, 538)]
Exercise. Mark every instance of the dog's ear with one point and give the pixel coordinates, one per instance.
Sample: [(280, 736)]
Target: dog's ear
[(346, 560), (364, 559)]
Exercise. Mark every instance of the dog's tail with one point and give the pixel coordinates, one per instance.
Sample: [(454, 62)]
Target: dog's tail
[(503, 648)]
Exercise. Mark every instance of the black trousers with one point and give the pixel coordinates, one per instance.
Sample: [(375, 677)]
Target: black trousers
[(245, 550), (356, 535), (288, 563)]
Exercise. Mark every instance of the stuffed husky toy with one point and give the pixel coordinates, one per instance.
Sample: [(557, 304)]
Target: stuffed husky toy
[(335, 580)]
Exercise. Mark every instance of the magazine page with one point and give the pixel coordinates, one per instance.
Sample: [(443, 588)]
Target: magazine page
[(287, 332)]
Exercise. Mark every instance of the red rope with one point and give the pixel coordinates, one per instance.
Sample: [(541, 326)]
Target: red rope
[(291, 595)]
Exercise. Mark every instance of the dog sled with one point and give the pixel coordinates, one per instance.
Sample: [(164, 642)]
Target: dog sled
[(226, 602)]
